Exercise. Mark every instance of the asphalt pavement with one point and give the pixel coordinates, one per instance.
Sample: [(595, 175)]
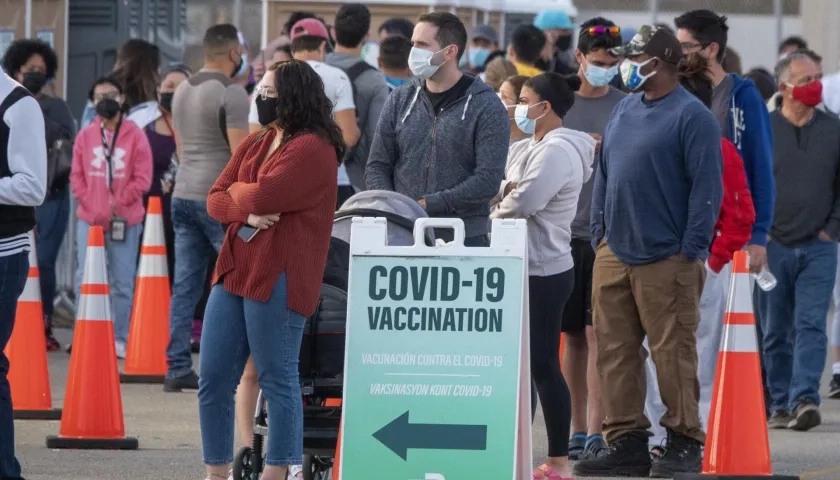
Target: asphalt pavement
[(167, 427)]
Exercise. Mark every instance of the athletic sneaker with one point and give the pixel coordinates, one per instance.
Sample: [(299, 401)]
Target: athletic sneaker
[(593, 444), (779, 420), (52, 343), (295, 472), (627, 456), (120, 347), (806, 416), (576, 445), (834, 386)]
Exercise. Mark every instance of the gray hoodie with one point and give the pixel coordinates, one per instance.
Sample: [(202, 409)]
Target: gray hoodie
[(454, 161), (548, 175)]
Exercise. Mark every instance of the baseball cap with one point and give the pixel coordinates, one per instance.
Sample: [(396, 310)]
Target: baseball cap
[(653, 41), (548, 19), (311, 27), (485, 32)]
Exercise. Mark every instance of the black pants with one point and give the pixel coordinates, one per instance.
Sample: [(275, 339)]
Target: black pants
[(547, 299)]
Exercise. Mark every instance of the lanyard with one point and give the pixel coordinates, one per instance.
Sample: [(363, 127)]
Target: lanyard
[(109, 151)]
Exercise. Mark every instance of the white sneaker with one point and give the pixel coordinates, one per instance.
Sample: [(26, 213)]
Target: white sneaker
[(295, 472), (120, 347)]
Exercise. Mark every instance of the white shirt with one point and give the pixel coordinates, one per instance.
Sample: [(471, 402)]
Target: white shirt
[(26, 157), (338, 89)]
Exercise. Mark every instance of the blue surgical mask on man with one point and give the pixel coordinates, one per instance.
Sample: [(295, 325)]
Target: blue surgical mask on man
[(396, 82), (599, 76), (478, 56)]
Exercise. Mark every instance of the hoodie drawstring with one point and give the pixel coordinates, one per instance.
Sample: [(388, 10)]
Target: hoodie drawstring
[(411, 105), (467, 105)]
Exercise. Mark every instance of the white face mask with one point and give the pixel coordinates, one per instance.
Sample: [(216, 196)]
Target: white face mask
[(420, 62)]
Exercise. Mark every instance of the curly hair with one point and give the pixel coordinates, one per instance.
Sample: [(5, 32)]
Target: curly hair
[(137, 65), (20, 51), (302, 105), (693, 75)]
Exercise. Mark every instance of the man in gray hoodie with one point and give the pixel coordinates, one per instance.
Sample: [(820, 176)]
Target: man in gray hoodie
[(443, 138)]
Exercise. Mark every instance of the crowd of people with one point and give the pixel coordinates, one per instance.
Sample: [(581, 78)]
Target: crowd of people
[(641, 162)]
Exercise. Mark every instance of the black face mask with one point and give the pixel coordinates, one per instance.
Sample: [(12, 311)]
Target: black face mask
[(34, 81), (107, 108), (166, 101), (563, 42), (266, 110)]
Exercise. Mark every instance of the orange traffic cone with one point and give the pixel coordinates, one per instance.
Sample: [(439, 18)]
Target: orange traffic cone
[(737, 444), (336, 402), (29, 375), (145, 360), (93, 413)]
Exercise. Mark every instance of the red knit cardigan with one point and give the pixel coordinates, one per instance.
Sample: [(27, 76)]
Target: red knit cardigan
[(298, 181)]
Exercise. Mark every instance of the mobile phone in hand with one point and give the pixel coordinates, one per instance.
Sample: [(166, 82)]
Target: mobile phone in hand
[(247, 233)]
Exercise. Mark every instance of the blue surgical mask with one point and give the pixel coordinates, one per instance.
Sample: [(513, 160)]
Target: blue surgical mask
[(478, 56), (599, 76), (396, 82), (527, 125)]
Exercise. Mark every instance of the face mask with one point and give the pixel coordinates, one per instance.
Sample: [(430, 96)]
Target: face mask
[(420, 62), (563, 43), (34, 81), (241, 67), (108, 108), (630, 73), (396, 82), (810, 95), (599, 76), (478, 56), (266, 110), (166, 101), (527, 125)]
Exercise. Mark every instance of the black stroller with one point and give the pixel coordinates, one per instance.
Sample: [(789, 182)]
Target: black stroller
[(321, 367)]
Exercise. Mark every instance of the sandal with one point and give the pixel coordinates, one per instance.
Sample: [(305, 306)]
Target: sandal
[(544, 472)]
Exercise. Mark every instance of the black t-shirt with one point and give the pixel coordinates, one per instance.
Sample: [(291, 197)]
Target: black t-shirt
[(443, 99)]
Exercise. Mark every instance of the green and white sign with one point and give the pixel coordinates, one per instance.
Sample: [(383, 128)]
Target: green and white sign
[(433, 362)]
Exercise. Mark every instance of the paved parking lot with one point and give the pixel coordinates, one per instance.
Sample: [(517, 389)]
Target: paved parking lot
[(170, 445)]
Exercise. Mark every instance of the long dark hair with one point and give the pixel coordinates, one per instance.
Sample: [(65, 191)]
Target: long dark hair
[(302, 105), (137, 65), (693, 75)]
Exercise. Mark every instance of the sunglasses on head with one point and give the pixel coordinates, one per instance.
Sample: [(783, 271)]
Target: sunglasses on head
[(599, 30)]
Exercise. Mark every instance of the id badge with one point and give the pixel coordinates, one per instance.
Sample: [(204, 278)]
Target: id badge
[(118, 228)]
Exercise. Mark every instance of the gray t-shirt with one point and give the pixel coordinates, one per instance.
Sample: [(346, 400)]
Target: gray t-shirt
[(203, 109), (589, 115), (720, 103)]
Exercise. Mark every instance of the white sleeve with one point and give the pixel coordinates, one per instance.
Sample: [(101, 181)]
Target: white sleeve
[(343, 95), (546, 173), (253, 116), (27, 185)]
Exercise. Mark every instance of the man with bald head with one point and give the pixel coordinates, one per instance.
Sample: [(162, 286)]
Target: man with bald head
[(802, 249)]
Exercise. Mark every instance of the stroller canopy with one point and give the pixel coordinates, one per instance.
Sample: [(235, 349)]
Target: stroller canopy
[(400, 211)]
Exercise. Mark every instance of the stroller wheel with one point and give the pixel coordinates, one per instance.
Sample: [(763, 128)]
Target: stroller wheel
[(243, 465)]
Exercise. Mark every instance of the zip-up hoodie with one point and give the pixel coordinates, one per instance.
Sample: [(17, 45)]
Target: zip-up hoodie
[(453, 160), (548, 175), (750, 131), (132, 174)]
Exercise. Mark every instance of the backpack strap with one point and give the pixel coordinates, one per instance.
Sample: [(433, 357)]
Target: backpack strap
[(357, 69), (12, 98)]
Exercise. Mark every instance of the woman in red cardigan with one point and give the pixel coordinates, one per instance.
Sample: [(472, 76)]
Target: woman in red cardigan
[(277, 197)]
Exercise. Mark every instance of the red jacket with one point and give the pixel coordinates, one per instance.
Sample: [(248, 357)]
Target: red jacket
[(737, 214)]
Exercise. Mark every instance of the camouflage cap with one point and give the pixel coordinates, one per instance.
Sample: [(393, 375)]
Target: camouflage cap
[(653, 41)]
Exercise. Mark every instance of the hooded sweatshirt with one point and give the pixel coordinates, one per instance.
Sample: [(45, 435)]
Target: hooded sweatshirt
[(454, 159), (549, 175), (132, 174), (750, 131)]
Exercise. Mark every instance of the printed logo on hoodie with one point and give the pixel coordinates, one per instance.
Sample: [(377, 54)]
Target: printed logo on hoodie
[(100, 162), (739, 125)]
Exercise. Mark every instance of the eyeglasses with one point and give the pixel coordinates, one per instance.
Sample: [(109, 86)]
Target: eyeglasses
[(689, 47), (105, 96), (598, 30)]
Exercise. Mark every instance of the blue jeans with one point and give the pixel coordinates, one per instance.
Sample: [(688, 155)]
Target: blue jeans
[(13, 272), (235, 327), (793, 320), (51, 219), (121, 259), (198, 238)]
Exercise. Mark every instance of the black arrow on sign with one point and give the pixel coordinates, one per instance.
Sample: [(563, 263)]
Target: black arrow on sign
[(399, 436)]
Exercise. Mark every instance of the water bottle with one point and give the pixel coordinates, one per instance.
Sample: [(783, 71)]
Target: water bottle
[(765, 280)]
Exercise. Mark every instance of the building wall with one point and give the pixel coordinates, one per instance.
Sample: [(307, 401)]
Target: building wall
[(48, 23)]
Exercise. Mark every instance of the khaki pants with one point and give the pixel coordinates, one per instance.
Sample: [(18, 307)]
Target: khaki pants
[(659, 300)]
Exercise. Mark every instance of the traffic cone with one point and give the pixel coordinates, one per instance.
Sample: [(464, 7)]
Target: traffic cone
[(336, 402), (93, 413), (145, 360), (737, 443), (29, 375)]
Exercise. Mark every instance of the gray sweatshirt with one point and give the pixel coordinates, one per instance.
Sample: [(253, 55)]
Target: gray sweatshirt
[(454, 160), (548, 175)]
